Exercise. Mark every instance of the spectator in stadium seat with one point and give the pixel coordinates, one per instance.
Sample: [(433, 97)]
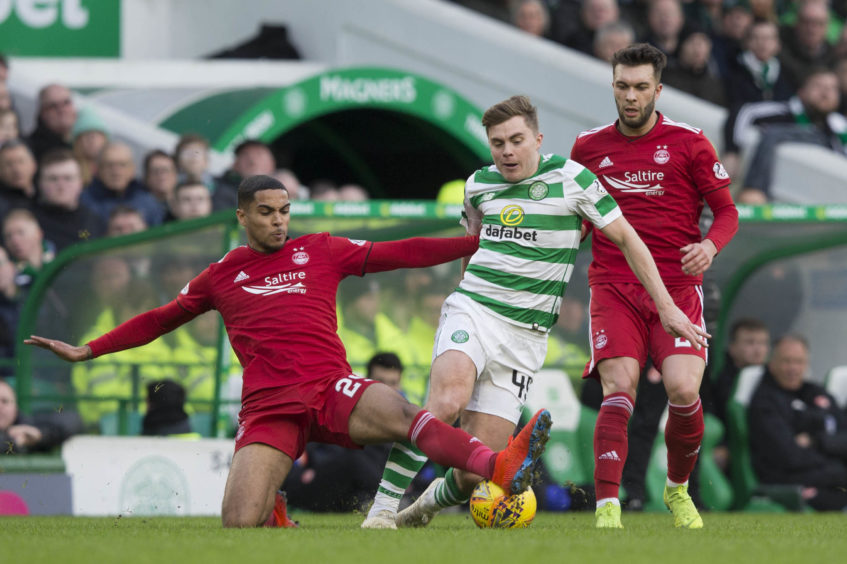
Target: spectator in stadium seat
[(323, 190), (55, 120), (252, 157), (352, 193), (705, 15), (166, 414), (612, 37), (804, 44), (797, 433), (9, 125), (17, 176), (728, 42), (749, 345), (841, 73), (90, 136), (532, 16), (295, 189), (124, 220), (192, 157), (63, 218), (115, 184), (21, 434), (694, 70), (24, 239), (665, 27), (593, 15), (191, 200), (756, 75), (11, 300), (809, 117), (160, 175)]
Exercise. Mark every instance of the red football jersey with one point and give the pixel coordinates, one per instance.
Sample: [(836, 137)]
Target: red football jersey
[(279, 308), (659, 181)]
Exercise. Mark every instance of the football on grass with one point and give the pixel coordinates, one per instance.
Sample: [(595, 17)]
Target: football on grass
[(492, 508)]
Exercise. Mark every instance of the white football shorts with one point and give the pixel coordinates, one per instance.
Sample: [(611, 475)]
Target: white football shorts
[(506, 356)]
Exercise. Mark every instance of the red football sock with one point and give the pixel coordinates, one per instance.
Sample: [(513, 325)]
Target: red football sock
[(451, 447), (683, 434), (610, 444)]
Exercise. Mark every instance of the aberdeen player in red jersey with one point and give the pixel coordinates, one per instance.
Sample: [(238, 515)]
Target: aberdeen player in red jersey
[(659, 172), (277, 299)]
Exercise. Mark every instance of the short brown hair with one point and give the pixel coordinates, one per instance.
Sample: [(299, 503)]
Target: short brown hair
[(641, 54), (507, 109), (58, 155)]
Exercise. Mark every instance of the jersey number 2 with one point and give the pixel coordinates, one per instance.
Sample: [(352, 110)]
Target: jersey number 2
[(347, 386)]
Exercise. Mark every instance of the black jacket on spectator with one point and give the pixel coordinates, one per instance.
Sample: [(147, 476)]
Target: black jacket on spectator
[(55, 429), (11, 198), (101, 200), (776, 416), (742, 87), (42, 140), (797, 60), (703, 83), (10, 312), (65, 227), (225, 196)]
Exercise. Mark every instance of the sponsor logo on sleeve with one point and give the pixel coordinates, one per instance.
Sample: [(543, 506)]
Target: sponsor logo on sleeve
[(720, 171)]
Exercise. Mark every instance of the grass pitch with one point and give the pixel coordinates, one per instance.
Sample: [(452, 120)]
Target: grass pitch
[(553, 537)]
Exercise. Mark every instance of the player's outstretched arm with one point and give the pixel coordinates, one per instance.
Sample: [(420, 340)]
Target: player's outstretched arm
[(419, 252), (134, 332), (674, 321), (61, 349)]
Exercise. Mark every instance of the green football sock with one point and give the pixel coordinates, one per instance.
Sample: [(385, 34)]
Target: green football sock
[(448, 493), (404, 463)]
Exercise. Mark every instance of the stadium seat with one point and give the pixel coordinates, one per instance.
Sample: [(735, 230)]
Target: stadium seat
[(836, 385), (110, 424), (750, 495)]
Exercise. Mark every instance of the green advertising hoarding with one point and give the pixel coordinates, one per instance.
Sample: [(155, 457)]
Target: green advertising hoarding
[(60, 28)]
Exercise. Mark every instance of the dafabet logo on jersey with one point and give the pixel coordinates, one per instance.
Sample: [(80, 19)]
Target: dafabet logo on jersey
[(511, 215)]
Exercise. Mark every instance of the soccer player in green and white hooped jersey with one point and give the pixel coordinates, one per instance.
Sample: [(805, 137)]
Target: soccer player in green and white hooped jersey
[(492, 337)]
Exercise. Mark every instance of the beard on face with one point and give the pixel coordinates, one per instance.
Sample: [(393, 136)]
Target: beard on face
[(639, 121)]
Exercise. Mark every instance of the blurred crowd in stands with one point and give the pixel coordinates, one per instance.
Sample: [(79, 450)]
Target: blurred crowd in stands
[(778, 66)]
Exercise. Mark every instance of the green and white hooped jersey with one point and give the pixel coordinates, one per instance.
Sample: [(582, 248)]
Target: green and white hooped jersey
[(529, 237)]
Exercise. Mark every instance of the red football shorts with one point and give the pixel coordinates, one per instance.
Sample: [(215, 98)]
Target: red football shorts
[(286, 418), (624, 322)]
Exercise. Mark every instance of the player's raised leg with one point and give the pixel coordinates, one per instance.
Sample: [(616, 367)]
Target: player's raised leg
[(619, 377), (451, 383), (683, 434), (256, 473), (456, 486)]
